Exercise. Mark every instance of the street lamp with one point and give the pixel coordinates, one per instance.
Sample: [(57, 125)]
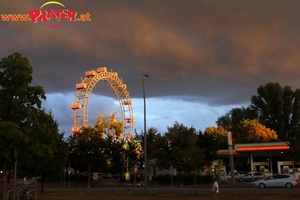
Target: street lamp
[(145, 135)]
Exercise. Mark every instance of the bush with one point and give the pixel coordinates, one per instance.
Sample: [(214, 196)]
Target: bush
[(164, 179), (185, 179)]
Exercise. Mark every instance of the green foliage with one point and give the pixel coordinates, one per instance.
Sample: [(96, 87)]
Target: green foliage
[(110, 128), (17, 97), (276, 108), (185, 179), (294, 135), (47, 153), (249, 131), (192, 158), (165, 179), (254, 132), (235, 117), (178, 148), (103, 154), (210, 145), (161, 151), (233, 120), (24, 127), (151, 136), (87, 149), (274, 104), (279, 109), (11, 138), (18, 102), (188, 179)]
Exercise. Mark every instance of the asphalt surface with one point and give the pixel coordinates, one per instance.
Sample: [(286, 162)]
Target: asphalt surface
[(115, 187)]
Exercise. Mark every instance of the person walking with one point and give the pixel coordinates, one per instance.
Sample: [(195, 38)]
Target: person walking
[(215, 190)]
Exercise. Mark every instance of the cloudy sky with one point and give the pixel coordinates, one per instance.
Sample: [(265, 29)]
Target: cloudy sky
[(204, 57)]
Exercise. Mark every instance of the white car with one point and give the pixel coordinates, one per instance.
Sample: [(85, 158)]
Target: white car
[(278, 180), (251, 176), (236, 176)]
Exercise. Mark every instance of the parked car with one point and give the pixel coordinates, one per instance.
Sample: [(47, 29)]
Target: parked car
[(251, 176), (108, 175), (236, 176), (278, 180), (296, 175), (99, 176), (116, 176)]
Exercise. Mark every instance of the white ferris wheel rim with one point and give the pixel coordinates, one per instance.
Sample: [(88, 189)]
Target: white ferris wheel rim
[(82, 98)]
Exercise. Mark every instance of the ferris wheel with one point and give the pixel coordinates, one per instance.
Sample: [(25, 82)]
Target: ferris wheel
[(102, 93)]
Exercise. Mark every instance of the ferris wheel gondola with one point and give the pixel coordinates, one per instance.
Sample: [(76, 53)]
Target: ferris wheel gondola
[(99, 88)]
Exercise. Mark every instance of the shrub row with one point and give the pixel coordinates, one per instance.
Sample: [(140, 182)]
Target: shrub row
[(183, 179)]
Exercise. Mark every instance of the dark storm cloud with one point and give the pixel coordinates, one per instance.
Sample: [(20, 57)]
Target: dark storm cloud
[(220, 51)]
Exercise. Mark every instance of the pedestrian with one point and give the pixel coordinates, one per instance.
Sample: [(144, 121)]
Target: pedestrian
[(215, 190)]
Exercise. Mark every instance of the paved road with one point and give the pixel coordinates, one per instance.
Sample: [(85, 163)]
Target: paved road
[(112, 187), (182, 190)]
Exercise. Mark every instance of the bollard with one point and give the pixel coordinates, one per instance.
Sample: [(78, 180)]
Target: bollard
[(128, 187)]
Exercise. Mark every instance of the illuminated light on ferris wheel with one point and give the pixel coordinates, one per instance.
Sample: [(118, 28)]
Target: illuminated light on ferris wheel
[(102, 93)]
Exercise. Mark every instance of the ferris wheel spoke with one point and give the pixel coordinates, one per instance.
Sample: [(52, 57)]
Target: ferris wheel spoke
[(102, 93)]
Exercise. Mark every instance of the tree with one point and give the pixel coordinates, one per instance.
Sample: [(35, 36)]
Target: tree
[(274, 104), (161, 151), (218, 133), (275, 107), (150, 137), (110, 128), (97, 146), (235, 117), (88, 149), (212, 140), (18, 100), (192, 158), (48, 156), (253, 131), (248, 131), (294, 136), (10, 136), (176, 147), (233, 120), (279, 110)]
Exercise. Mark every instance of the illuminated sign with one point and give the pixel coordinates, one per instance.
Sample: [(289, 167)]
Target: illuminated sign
[(52, 14), (263, 148)]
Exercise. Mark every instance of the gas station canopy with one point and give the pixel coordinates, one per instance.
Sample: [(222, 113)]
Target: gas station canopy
[(271, 148)]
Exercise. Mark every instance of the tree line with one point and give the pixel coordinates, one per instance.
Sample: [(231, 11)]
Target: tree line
[(31, 136)]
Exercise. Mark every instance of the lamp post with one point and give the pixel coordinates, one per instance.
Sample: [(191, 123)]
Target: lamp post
[(145, 135), (15, 175), (230, 152)]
